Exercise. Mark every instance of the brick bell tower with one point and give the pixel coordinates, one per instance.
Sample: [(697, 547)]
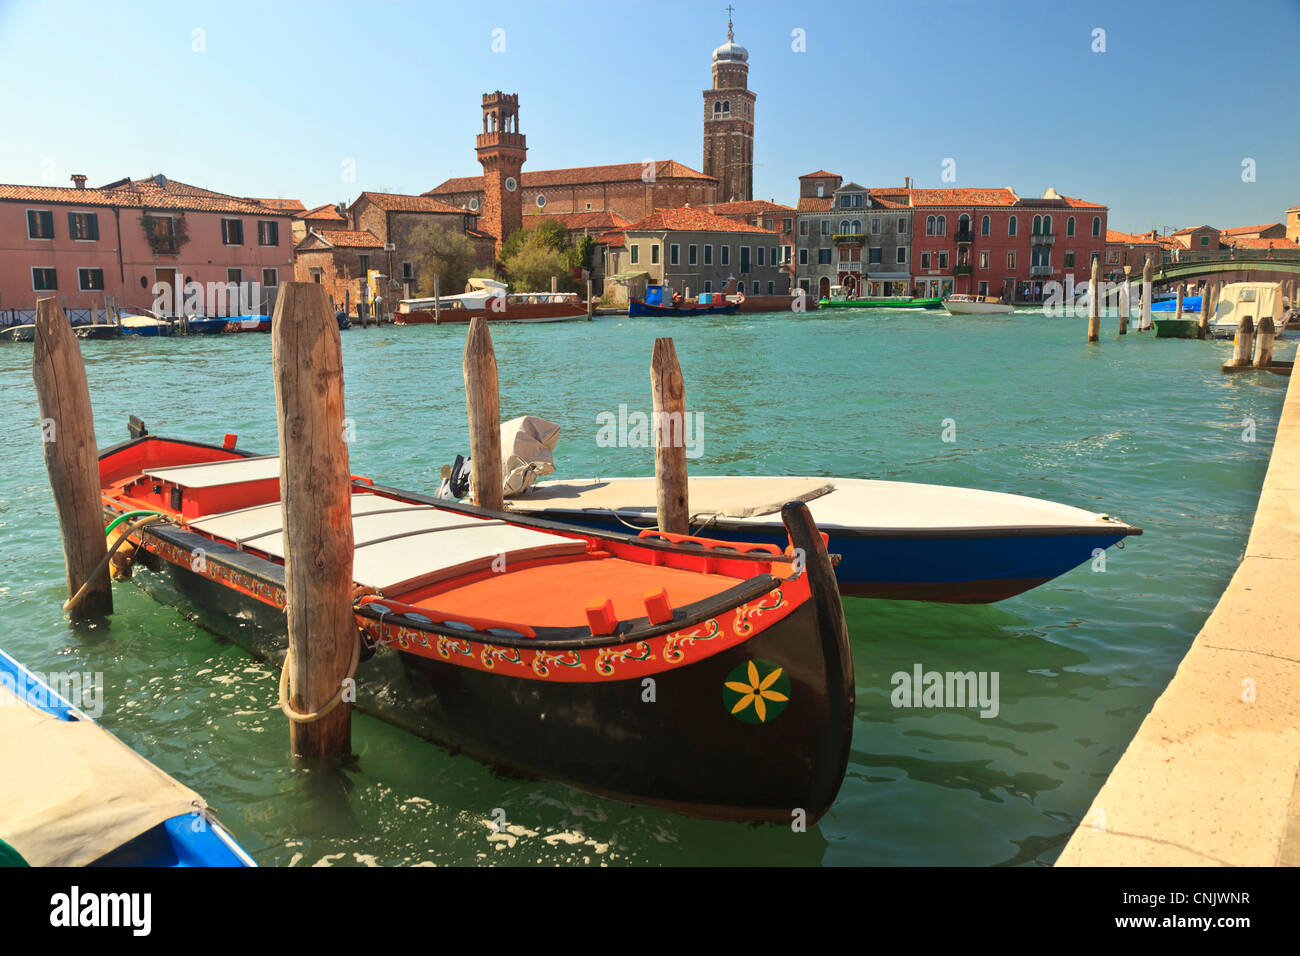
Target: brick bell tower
[(501, 151), (729, 121)]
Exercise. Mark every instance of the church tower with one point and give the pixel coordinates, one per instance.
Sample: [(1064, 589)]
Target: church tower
[(501, 152), (729, 121)]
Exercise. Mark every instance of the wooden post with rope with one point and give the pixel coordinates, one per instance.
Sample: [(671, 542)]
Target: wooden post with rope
[(483, 402), (316, 511), (669, 393), (71, 458), (1148, 292), (1264, 342), (1094, 303)]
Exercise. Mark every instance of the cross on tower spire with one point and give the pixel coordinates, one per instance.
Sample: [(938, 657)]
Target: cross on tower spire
[(731, 35)]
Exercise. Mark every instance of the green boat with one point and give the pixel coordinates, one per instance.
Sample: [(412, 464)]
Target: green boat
[(891, 303), (1172, 328)]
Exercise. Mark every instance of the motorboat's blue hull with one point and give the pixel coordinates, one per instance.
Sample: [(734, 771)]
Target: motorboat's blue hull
[(638, 308)]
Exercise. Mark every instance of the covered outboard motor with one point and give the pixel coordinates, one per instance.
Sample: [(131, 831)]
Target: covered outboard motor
[(455, 479)]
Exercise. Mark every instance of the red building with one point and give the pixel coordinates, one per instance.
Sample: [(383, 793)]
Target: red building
[(993, 242)]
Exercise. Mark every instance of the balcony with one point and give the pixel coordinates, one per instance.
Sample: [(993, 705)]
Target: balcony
[(963, 269), (1042, 238), (849, 266), (1040, 270), (843, 238), (965, 235)]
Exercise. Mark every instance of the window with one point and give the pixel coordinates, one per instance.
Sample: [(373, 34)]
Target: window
[(1096, 225), (1047, 225), (925, 260), (902, 253), (844, 227), (83, 226), (845, 202), (803, 227), (963, 224), (1205, 240), (90, 280), (363, 264), (941, 260), (875, 227), (317, 275), (786, 225), (636, 252), (654, 253), (724, 255), (823, 257), (1068, 261), (717, 107), (771, 287), (785, 253), (826, 227), (1038, 226), (1011, 226), (820, 188), (541, 200), (692, 254), (473, 204), (929, 226), (674, 254), (708, 255), (941, 224), (986, 226), (270, 278), (708, 285), (407, 273), (232, 232), (44, 280), (755, 287), (1069, 226), (268, 232), (902, 225), (40, 225), (761, 252), (873, 255), (984, 287), (235, 275), (984, 259), (1011, 260), (588, 205), (857, 202), (803, 257)]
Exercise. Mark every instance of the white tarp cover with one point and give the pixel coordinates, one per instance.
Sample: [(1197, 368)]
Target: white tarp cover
[(71, 792), (526, 446)]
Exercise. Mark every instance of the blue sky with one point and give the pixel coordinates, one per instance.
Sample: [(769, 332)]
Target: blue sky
[(283, 95)]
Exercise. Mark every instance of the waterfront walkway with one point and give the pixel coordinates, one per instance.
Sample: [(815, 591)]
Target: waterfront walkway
[(1211, 776)]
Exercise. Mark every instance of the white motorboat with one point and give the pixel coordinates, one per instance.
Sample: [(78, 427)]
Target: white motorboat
[(976, 305), (1255, 299)]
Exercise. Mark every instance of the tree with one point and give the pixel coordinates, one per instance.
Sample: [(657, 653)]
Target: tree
[(586, 249), (445, 252), (533, 262)]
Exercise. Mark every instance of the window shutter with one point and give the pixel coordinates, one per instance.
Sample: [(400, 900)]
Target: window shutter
[(31, 224), (72, 225), (94, 225)]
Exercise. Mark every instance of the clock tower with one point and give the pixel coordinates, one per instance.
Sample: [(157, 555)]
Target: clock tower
[(501, 152), (729, 121)]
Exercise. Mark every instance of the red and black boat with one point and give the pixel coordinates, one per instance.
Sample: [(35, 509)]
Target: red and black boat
[(706, 677)]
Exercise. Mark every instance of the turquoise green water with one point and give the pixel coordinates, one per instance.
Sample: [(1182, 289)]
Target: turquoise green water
[(1148, 430)]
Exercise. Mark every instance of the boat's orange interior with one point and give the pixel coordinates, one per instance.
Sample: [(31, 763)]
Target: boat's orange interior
[(594, 582)]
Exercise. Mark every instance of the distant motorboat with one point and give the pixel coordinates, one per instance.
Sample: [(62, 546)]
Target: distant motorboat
[(1254, 299), (489, 298), (976, 305), (146, 323)]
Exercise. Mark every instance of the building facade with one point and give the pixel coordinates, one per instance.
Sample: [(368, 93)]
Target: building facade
[(124, 239), (729, 122), (854, 239)]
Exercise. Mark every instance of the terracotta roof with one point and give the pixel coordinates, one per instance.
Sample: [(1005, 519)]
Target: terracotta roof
[(814, 203), (1264, 244), (612, 239), (283, 205), (397, 202), (747, 207), (140, 194), (348, 238), (693, 219), (1000, 196), (542, 178), (326, 211), (820, 174), (1238, 230), (1082, 203), (578, 220), (1130, 239), (1191, 229)]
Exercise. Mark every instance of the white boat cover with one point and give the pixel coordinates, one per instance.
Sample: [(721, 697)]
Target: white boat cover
[(211, 474), (71, 792), (725, 497), (527, 444)]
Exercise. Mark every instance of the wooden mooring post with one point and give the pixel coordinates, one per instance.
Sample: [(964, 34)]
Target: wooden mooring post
[(71, 458), (1241, 345), (591, 306), (669, 395), (1125, 302), (1148, 292), (316, 511), (1094, 304), (437, 303), (1178, 302), (1264, 336), (483, 402), (1209, 302)]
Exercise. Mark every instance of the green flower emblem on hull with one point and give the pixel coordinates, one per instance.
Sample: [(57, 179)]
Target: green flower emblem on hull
[(756, 692)]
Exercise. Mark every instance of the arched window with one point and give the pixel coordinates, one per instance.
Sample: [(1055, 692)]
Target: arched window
[(717, 106), (1038, 225), (1047, 225), (1011, 226), (1069, 226), (942, 225), (857, 226), (929, 226), (985, 225), (1096, 225), (726, 106), (963, 223), (844, 227)]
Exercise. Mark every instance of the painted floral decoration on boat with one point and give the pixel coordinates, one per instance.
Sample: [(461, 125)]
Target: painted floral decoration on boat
[(756, 692)]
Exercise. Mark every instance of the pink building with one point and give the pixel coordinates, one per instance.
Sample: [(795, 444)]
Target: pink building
[(122, 239)]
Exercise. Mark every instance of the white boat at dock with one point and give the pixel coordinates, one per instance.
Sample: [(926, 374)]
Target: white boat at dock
[(976, 305)]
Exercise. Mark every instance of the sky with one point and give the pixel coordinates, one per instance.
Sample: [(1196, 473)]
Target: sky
[(1174, 114)]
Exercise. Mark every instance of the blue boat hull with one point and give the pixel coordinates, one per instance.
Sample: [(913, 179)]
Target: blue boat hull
[(945, 568), (638, 308)]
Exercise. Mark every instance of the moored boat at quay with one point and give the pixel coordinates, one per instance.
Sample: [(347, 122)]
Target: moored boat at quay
[(976, 305), (540, 664), (490, 299)]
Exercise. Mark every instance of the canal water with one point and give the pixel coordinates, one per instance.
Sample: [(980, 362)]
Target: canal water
[(1147, 430)]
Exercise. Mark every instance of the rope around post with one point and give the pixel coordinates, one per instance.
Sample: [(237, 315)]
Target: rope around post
[(334, 701), (131, 529)]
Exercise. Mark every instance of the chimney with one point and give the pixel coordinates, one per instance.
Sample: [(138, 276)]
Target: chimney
[(907, 182), (79, 179)]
